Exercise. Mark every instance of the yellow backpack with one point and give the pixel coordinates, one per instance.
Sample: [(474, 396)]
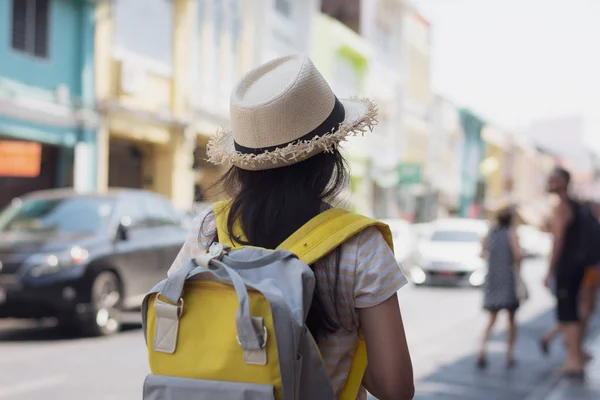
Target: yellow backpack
[(230, 325)]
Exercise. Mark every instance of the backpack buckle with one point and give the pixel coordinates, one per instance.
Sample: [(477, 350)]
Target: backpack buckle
[(256, 357), (163, 303), (216, 251), (179, 304), (263, 342), (167, 324)]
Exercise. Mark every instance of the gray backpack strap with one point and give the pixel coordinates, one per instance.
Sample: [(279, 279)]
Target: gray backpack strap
[(168, 313), (251, 331), (173, 288)]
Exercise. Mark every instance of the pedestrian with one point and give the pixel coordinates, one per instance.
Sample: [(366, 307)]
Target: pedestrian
[(503, 286), (565, 272), (285, 169), (587, 300), (587, 306)]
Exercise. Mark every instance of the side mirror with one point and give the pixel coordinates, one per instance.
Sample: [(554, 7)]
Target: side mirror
[(123, 229)]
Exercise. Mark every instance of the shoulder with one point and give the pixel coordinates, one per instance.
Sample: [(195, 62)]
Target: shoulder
[(564, 210), (565, 206), (376, 273), (367, 238)]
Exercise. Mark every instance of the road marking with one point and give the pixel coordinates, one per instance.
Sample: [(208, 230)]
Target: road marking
[(31, 386)]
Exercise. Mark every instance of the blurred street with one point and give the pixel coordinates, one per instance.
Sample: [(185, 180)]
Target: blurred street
[(443, 326)]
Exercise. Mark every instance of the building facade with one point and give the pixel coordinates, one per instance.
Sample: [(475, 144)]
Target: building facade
[(472, 180), (379, 25), (230, 37), (342, 56), (498, 166), (47, 112), (443, 167), (418, 198), (142, 83)]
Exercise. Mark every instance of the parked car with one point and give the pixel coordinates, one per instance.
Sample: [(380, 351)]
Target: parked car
[(450, 254), (84, 259), (405, 239), (422, 229)]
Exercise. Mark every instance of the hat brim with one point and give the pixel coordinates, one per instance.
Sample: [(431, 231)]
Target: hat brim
[(361, 116)]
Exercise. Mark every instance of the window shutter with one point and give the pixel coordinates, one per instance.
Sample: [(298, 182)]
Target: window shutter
[(41, 29), (19, 24)]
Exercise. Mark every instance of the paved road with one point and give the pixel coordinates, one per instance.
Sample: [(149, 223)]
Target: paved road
[(443, 327)]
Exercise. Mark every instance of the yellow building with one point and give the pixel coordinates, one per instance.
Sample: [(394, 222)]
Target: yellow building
[(418, 96), (342, 56), (142, 81), (497, 166)]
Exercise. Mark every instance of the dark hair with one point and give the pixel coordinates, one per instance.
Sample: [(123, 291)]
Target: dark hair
[(274, 203), (505, 217), (563, 173)]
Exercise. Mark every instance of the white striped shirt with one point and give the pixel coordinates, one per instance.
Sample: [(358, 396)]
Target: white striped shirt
[(368, 275)]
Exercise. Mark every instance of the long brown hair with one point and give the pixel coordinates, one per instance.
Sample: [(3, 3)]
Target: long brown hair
[(272, 204)]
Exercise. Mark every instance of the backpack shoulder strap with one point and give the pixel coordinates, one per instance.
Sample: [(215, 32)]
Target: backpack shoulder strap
[(313, 241), (327, 231), (316, 239)]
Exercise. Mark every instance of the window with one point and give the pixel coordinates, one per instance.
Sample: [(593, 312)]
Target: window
[(284, 7), (134, 215), (71, 215), (217, 58), (30, 26), (145, 28), (235, 23), (346, 78), (456, 236), (161, 212)]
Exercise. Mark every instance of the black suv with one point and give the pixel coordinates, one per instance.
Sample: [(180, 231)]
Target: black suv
[(85, 259)]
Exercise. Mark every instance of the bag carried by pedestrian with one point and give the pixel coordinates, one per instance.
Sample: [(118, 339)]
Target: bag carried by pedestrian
[(231, 323), (521, 288)]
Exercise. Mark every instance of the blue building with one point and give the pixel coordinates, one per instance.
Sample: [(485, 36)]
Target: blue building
[(47, 115), (472, 183)]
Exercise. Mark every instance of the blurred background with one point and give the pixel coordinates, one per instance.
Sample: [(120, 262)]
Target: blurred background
[(479, 100)]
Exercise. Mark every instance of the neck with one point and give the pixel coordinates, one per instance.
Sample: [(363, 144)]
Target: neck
[(563, 195)]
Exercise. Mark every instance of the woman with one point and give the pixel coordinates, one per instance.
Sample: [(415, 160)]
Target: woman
[(503, 282), (286, 169)]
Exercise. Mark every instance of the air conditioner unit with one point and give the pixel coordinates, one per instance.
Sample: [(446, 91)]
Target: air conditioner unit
[(63, 95), (133, 77)]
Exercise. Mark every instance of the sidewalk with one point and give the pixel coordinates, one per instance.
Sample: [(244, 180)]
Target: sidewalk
[(586, 390), (531, 379)]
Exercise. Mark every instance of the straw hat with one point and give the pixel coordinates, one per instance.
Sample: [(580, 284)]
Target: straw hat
[(284, 112)]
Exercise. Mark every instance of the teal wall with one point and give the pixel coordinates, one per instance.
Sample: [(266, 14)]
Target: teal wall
[(70, 62), (474, 150), (66, 58)]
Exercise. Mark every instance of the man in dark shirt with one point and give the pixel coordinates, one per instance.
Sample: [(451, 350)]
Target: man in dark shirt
[(565, 272)]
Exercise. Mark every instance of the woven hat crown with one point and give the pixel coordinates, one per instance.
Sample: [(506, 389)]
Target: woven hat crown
[(279, 102)]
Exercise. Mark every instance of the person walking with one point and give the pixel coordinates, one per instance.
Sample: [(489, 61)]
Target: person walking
[(565, 272), (503, 286), (587, 300), (285, 169)]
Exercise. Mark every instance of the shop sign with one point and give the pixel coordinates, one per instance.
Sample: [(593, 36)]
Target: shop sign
[(20, 159), (409, 174)]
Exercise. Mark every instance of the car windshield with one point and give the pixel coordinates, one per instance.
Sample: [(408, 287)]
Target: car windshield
[(464, 236), (72, 215)]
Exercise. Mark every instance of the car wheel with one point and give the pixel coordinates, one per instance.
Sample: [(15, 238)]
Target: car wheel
[(106, 299)]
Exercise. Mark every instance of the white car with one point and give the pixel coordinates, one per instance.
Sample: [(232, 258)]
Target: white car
[(405, 239), (450, 254)]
